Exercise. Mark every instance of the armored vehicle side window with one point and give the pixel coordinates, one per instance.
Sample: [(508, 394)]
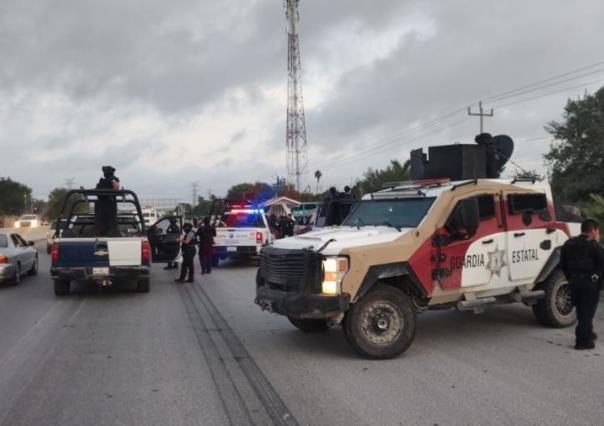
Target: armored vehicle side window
[(486, 206), (520, 203)]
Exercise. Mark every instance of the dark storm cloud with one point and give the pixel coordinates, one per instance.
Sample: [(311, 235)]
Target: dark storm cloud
[(83, 70)]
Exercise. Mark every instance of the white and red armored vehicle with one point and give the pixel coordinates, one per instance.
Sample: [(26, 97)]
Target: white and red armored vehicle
[(429, 244)]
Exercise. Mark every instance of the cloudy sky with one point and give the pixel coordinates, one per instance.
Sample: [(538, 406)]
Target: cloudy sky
[(194, 90)]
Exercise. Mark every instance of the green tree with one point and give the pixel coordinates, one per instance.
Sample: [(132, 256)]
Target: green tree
[(203, 207), (260, 191), (15, 197), (527, 174), (55, 203), (374, 179), (576, 161), (595, 209)]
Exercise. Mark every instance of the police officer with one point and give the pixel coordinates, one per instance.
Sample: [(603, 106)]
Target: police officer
[(105, 208), (174, 229), (582, 261), (206, 234), (289, 226), (187, 270)]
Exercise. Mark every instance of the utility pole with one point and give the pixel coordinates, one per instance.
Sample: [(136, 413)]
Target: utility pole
[(69, 183), (194, 187), (480, 114)]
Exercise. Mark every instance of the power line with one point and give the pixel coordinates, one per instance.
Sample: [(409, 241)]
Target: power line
[(497, 97), (509, 92)]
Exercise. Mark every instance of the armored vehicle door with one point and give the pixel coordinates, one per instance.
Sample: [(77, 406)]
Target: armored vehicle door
[(530, 234), (470, 248), (164, 238)]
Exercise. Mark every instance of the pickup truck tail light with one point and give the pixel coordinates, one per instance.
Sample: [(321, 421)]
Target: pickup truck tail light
[(145, 252), (3, 259), (259, 237), (54, 253)]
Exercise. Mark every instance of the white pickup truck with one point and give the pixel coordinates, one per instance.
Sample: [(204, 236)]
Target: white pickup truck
[(241, 233)]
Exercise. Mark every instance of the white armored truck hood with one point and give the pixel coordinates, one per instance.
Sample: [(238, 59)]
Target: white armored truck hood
[(343, 237)]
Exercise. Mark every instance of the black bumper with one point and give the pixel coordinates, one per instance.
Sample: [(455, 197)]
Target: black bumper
[(297, 305), (289, 283), (116, 273)]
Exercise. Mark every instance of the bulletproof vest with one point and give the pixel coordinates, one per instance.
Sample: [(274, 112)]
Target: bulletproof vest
[(579, 256)]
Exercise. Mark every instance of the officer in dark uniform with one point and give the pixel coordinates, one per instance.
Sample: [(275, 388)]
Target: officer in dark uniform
[(582, 261), (187, 270), (173, 228), (206, 234), (289, 226), (105, 209)]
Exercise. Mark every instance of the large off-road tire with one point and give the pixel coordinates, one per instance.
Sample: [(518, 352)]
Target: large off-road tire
[(143, 285), (556, 309), (308, 325), (381, 324), (34, 267), (62, 287), (215, 261)]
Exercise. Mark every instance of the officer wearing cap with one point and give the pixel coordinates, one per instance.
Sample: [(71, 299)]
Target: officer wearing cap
[(106, 206), (582, 261)]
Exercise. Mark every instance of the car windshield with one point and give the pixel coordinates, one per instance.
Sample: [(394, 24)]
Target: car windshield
[(242, 220), (404, 213), (3, 241), (29, 217)]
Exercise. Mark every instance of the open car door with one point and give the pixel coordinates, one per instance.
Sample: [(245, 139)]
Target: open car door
[(164, 238)]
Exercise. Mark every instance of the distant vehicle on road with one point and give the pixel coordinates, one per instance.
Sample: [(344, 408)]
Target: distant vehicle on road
[(242, 230), (80, 253), (27, 221), (17, 257), (150, 215)]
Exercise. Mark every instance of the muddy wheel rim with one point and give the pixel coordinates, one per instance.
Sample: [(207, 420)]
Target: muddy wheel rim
[(381, 323), (563, 300)]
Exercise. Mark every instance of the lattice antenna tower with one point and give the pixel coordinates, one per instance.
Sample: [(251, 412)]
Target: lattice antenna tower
[(296, 123)]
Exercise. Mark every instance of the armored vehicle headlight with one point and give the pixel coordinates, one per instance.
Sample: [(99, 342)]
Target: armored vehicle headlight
[(334, 269)]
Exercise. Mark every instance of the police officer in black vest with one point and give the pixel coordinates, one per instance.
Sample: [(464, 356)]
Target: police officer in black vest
[(582, 260), (188, 254), (106, 205)]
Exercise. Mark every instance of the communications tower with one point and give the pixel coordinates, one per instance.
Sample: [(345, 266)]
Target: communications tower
[(296, 122)]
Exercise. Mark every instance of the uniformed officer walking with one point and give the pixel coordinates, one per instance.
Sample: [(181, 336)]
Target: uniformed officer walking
[(582, 261), (187, 270)]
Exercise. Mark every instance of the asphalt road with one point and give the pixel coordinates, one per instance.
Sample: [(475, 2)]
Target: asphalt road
[(204, 354)]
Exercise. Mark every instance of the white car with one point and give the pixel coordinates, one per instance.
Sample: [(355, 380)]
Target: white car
[(27, 221), (150, 216)]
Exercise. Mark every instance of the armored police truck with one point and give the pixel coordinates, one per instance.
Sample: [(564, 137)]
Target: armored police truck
[(457, 236)]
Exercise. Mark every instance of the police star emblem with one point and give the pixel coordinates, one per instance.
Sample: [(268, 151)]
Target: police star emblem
[(496, 261)]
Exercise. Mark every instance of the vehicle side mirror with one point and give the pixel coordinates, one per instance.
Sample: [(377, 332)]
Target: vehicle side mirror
[(464, 222)]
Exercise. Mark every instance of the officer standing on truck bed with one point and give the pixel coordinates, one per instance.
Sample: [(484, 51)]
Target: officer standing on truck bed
[(187, 270), (582, 260), (105, 214)]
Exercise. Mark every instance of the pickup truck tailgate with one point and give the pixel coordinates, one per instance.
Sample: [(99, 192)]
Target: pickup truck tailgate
[(124, 253), (235, 237)]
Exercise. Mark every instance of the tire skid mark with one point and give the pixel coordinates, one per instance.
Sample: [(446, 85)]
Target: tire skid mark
[(228, 393), (276, 409)]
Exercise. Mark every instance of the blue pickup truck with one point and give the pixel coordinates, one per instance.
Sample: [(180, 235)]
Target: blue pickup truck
[(108, 246)]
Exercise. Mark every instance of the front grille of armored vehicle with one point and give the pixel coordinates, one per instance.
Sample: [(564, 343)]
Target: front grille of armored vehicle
[(290, 270)]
